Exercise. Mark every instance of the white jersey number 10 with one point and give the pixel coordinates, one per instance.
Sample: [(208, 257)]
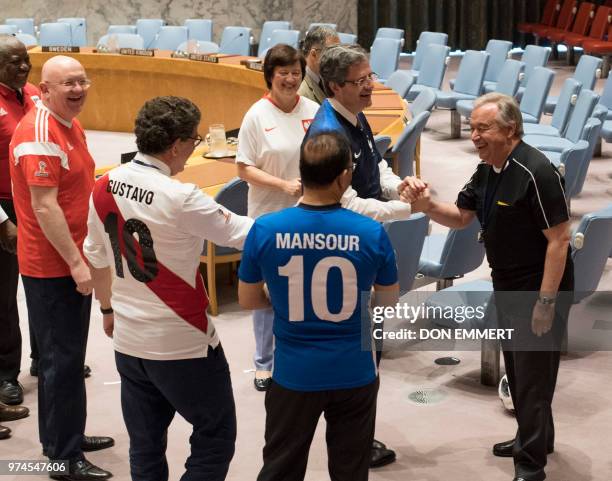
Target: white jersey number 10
[(294, 270)]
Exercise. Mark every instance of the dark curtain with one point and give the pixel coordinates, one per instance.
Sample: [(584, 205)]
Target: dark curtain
[(469, 23)]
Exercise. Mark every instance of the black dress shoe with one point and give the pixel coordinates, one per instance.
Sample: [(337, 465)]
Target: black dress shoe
[(34, 369), (4, 432), (96, 443), (83, 470), (380, 455), (262, 384), (12, 413), (11, 392), (505, 449)]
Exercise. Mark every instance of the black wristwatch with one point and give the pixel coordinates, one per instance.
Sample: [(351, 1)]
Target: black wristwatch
[(108, 310)]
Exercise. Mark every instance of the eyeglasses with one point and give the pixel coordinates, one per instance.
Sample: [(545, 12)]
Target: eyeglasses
[(84, 83), (372, 77), (196, 140)]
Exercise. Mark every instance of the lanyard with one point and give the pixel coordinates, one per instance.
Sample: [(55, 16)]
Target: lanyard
[(140, 162)]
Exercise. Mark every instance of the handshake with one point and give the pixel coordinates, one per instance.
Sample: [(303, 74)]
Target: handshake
[(415, 192)]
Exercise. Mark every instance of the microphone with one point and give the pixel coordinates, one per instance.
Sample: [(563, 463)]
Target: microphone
[(241, 34)]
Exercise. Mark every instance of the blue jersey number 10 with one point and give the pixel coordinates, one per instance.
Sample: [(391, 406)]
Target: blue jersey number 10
[(294, 270)]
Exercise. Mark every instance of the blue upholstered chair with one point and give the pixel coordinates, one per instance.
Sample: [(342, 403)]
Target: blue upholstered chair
[(535, 94), (201, 46), (422, 49), (404, 148), (123, 40), (407, 238), (233, 196), (384, 56), (587, 99), (400, 81), (347, 38), (498, 54), (147, 28), (236, 41), (432, 72), (534, 56), (121, 29), (605, 101), (199, 29), (78, 27), (27, 39), (467, 87), (424, 102), (24, 25), (450, 256), (563, 108), (587, 72), (170, 37), (8, 29), (56, 34), (288, 37), (266, 34), (382, 143), (508, 84), (396, 33)]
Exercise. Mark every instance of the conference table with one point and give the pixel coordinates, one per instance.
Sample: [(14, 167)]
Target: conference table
[(223, 91)]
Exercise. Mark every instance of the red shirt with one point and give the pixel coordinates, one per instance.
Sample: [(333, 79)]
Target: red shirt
[(11, 112), (47, 151)]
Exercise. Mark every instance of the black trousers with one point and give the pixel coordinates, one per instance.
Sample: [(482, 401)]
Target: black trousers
[(532, 365), (200, 390), (291, 420), (59, 318), (10, 334)]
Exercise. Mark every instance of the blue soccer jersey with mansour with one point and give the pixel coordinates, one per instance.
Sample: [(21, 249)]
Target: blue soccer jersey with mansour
[(317, 263)]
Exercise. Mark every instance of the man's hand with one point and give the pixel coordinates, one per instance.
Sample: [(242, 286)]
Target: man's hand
[(81, 275), (411, 188), (542, 318), (108, 324), (293, 187), (8, 236)]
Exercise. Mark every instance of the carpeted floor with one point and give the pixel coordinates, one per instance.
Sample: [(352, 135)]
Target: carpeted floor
[(447, 440)]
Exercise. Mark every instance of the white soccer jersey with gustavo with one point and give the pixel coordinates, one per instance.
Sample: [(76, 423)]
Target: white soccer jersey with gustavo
[(317, 263), (151, 229)]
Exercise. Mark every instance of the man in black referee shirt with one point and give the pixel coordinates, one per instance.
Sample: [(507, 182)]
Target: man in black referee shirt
[(519, 199)]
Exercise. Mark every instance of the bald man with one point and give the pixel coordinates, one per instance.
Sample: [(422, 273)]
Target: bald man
[(53, 175)]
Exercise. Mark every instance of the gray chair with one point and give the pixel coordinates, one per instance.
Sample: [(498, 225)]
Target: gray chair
[(591, 134), (509, 79), (587, 99), (498, 51), (78, 30), (200, 46), (407, 238), (200, 29), (467, 87), (534, 56), (424, 102), (8, 29), (422, 49), (266, 34), (236, 41), (404, 148), (121, 29), (27, 39), (170, 37), (605, 101), (24, 25), (535, 95), (450, 256), (382, 143), (564, 107), (432, 72), (289, 37), (587, 72), (384, 57), (233, 196), (121, 40), (400, 81), (347, 38), (148, 28)]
